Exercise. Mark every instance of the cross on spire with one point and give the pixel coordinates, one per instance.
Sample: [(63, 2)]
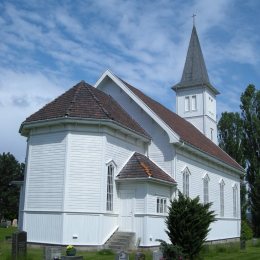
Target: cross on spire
[(193, 17)]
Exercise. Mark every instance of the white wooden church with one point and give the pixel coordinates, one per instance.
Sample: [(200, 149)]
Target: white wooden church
[(108, 158)]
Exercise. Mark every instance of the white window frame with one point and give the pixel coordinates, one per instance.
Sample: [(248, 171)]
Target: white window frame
[(161, 205), (235, 201), (186, 181), (206, 188), (222, 197), (193, 102), (110, 186), (186, 103)]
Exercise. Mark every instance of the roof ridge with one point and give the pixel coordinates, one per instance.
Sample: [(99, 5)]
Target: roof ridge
[(99, 103), (75, 96)]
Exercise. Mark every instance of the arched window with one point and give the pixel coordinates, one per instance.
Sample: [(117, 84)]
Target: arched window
[(222, 205), (235, 199), (110, 186), (186, 181), (206, 189)]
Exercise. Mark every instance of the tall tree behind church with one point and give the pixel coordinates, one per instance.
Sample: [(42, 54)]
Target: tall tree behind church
[(10, 170), (239, 136), (231, 140), (250, 112)]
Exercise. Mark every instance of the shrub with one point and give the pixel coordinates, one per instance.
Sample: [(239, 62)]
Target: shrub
[(246, 231), (188, 224), (170, 251)]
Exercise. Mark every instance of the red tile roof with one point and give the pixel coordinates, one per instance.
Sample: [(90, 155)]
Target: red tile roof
[(140, 167), (87, 102), (187, 132)]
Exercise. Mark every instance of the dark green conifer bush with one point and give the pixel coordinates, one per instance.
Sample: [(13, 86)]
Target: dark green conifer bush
[(188, 224)]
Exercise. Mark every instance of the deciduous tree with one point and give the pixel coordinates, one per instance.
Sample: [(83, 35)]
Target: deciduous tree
[(10, 170)]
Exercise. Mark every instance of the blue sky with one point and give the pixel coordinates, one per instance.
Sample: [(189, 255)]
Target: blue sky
[(46, 47)]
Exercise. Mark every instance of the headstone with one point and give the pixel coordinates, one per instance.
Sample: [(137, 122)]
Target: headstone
[(19, 245), (157, 255), (3, 224), (242, 244), (254, 241), (139, 256), (122, 256), (14, 223), (8, 223), (51, 252)]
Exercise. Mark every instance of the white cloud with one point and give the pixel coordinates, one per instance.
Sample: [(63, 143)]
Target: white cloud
[(46, 46)]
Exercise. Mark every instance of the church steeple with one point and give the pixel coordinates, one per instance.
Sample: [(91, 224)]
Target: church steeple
[(195, 96), (195, 71)]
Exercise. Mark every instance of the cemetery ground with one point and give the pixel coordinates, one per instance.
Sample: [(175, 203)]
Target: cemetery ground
[(210, 252)]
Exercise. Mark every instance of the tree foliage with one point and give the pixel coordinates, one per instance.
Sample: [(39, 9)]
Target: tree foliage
[(230, 129), (239, 136), (188, 224), (10, 170), (231, 140)]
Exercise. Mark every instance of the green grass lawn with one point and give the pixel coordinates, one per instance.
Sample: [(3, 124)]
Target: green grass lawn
[(212, 252)]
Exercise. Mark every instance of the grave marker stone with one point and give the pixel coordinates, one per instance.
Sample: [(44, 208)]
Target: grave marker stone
[(14, 223), (157, 255), (19, 245), (51, 252), (122, 256), (139, 256)]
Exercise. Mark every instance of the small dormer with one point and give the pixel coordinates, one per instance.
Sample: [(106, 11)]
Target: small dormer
[(195, 96)]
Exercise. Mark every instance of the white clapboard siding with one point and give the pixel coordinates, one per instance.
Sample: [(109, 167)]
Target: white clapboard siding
[(84, 172), (119, 152), (45, 173), (81, 229), (154, 191), (43, 227), (198, 169), (160, 150)]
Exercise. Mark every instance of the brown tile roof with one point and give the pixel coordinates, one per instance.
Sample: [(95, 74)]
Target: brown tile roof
[(187, 132), (140, 166), (85, 101)]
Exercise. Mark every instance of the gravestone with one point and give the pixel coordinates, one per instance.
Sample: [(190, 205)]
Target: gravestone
[(14, 223), (51, 252), (139, 256), (122, 256), (157, 255), (19, 245)]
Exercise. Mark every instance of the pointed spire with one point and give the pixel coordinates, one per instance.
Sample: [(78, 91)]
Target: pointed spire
[(195, 71)]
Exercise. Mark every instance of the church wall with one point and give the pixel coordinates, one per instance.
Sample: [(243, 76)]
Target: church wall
[(155, 222), (147, 224), (45, 171), (160, 150), (84, 172), (210, 100), (43, 227), (198, 168), (119, 151), (180, 102)]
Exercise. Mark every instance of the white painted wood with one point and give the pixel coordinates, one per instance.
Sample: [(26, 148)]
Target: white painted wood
[(84, 172), (127, 210), (204, 117), (43, 227), (44, 184), (160, 150)]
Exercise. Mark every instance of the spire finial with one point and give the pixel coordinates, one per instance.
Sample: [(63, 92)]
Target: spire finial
[(193, 17)]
